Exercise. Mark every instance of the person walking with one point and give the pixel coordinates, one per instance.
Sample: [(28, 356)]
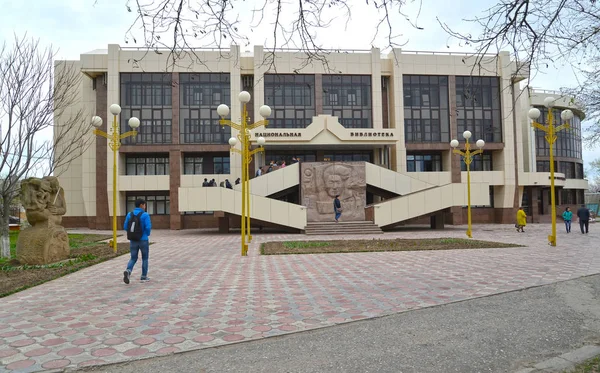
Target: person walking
[(138, 227), (521, 220), (337, 208), (567, 217), (584, 218)]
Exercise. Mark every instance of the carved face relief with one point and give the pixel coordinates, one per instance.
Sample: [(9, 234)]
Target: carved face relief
[(334, 185)]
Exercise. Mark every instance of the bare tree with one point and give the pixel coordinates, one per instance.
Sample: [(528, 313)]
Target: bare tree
[(540, 33), (36, 104), (181, 25)]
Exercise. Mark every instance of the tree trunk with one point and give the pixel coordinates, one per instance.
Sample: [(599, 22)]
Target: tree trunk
[(4, 230)]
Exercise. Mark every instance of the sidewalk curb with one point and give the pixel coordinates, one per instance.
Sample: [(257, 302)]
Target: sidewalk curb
[(565, 361)]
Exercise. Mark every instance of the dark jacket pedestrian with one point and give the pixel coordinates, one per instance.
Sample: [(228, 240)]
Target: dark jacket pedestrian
[(584, 218), (228, 184), (136, 245), (205, 183), (337, 208)]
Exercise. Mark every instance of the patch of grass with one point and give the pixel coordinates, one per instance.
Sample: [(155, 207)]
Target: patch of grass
[(305, 244), (376, 245), (590, 366), (86, 250)]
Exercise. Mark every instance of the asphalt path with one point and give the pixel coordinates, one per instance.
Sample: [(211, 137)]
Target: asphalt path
[(500, 333)]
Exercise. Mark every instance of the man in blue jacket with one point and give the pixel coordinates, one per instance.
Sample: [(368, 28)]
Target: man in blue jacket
[(138, 227)]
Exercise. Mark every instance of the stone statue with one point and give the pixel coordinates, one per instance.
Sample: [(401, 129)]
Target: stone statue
[(322, 181), (46, 241)]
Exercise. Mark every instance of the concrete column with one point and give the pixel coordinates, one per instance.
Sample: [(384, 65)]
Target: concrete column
[(376, 103), (174, 184), (455, 160), (175, 92)]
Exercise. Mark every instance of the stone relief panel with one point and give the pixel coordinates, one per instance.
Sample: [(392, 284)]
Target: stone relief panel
[(320, 182)]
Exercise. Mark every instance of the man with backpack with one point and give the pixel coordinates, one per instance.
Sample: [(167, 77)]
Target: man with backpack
[(138, 227)]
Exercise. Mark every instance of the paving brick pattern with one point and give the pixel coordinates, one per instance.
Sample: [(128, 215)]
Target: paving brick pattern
[(202, 293)]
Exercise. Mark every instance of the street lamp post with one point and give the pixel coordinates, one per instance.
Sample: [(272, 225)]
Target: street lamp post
[(550, 137), (467, 156), (114, 138), (244, 138)]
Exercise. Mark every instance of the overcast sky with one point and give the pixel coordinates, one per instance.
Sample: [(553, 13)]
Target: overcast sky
[(79, 26)]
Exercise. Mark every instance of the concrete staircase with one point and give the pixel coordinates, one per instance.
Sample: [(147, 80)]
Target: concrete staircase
[(341, 228)]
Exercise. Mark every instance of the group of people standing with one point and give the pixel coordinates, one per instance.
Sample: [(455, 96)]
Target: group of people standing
[(223, 184), (583, 214)]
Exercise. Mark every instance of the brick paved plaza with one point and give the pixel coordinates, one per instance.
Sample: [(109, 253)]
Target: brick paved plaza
[(203, 294)]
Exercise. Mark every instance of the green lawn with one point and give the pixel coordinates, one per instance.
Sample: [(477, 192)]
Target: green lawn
[(76, 241)]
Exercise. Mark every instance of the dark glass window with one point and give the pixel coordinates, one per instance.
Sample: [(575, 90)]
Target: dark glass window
[(157, 203), (417, 162), (481, 162), (147, 165), (579, 171), (568, 197), (426, 115), (192, 165), (287, 155), (567, 168), (221, 165), (147, 96), (355, 156), (544, 166), (348, 97), (478, 107), (568, 141), (205, 163), (292, 98), (200, 94)]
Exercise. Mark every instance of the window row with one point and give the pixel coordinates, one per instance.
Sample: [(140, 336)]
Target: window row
[(192, 164), (157, 203), (572, 170), (432, 162)]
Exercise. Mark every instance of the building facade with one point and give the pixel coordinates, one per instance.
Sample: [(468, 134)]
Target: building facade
[(396, 112)]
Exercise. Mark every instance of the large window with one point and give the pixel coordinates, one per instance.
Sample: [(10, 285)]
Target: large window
[(203, 163), (423, 162), (426, 115), (157, 203), (567, 168), (348, 97), (544, 166), (200, 95), (287, 155), (568, 141), (292, 98), (482, 162), (478, 107), (341, 156), (147, 165), (148, 97)]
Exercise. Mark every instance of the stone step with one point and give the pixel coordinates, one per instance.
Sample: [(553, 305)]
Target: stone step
[(341, 228)]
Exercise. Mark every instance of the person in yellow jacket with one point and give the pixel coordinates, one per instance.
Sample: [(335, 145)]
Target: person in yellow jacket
[(521, 220)]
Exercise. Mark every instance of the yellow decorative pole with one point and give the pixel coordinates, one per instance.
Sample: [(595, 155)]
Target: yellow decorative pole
[(114, 139), (244, 137), (467, 156), (550, 137)]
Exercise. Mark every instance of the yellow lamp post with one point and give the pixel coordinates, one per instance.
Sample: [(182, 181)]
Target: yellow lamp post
[(244, 138), (467, 156), (550, 137), (114, 138)]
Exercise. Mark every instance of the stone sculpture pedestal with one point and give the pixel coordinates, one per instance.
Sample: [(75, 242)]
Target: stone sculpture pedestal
[(43, 244)]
